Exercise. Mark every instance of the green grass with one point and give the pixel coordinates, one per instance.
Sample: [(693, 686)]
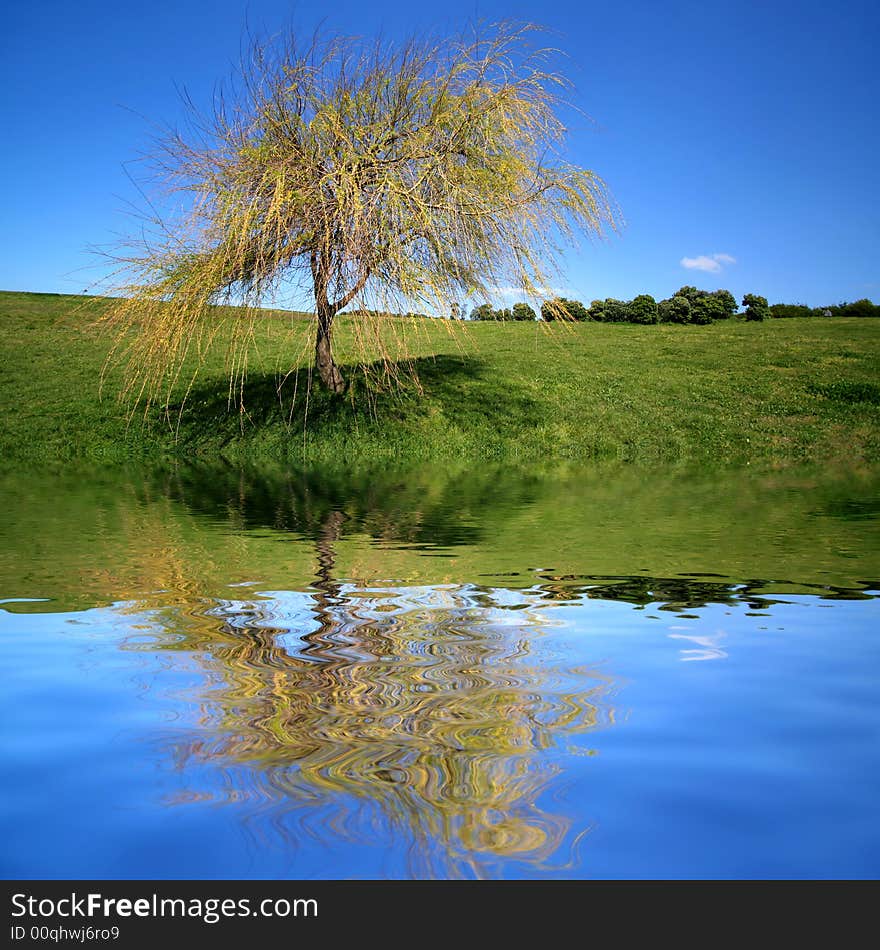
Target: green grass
[(784, 390)]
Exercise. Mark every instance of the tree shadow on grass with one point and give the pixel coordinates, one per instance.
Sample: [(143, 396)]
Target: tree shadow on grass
[(461, 389)]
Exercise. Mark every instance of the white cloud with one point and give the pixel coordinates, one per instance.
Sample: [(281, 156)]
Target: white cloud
[(505, 291), (711, 263), (543, 291)]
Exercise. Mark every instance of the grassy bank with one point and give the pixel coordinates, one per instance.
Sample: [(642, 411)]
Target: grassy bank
[(784, 390)]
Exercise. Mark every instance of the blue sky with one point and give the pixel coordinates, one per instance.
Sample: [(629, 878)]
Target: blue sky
[(746, 130)]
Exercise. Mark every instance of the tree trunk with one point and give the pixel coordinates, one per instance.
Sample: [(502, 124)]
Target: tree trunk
[(328, 371)]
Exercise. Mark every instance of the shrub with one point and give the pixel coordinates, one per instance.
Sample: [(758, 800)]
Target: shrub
[(596, 310), (781, 310), (483, 312), (576, 310), (549, 311), (707, 306), (860, 308), (674, 310), (643, 309), (523, 312), (560, 308), (727, 304), (691, 294), (706, 309), (616, 311), (756, 307)]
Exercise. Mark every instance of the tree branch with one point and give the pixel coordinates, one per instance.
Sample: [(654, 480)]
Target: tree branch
[(345, 300)]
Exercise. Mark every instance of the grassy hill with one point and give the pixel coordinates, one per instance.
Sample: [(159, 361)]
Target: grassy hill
[(784, 390)]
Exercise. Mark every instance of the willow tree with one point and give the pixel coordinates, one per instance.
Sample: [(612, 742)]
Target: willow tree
[(374, 174)]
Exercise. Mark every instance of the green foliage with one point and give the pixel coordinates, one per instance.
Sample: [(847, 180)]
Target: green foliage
[(675, 309), (705, 309), (576, 310), (756, 307), (561, 308), (691, 294), (791, 310), (596, 310), (705, 306), (483, 311), (523, 312), (616, 311), (726, 304), (643, 309), (518, 312), (860, 308), (689, 305)]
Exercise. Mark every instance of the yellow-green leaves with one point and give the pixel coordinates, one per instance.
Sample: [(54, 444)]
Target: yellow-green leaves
[(397, 176)]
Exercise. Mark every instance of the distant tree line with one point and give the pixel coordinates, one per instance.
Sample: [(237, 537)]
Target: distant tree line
[(686, 305), (858, 308), (378, 314), (519, 311)]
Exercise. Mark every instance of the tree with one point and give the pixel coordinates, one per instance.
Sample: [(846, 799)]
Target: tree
[(784, 310), (756, 307), (674, 310), (596, 310), (861, 308), (361, 171), (706, 306), (523, 312), (483, 312), (561, 308), (576, 310), (616, 311), (705, 309), (727, 304), (643, 309), (691, 294)]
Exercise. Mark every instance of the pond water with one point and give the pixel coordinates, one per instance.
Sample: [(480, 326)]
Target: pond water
[(562, 672)]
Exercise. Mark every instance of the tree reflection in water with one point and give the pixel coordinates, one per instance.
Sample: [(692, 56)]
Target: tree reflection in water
[(431, 713), (418, 712)]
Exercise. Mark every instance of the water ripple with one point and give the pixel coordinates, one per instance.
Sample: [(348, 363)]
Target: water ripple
[(420, 712)]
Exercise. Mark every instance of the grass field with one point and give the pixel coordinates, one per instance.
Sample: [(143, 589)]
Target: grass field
[(780, 391)]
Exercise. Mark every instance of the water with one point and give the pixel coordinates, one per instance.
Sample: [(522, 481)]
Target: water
[(568, 672)]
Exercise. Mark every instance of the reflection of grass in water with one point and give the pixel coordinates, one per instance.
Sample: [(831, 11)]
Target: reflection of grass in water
[(96, 535), (432, 716)]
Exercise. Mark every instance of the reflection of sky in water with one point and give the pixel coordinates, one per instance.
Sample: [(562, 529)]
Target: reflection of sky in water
[(445, 730)]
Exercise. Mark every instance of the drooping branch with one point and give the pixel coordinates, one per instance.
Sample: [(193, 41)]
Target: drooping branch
[(389, 174)]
